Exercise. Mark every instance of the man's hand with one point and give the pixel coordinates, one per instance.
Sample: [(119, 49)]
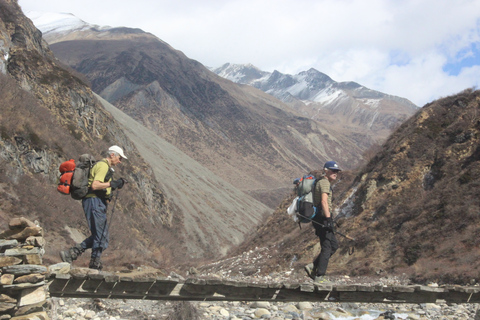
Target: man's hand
[(330, 225), (117, 184)]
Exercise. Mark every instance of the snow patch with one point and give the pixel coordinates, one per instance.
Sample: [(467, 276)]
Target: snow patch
[(372, 103), (327, 96)]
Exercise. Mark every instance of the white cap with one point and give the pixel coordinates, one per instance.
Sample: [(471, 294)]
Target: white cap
[(118, 150)]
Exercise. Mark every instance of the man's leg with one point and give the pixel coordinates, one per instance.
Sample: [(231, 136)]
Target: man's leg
[(329, 245), (96, 214), (74, 252)]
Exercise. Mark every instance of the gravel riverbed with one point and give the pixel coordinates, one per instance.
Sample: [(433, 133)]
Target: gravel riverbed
[(110, 309)]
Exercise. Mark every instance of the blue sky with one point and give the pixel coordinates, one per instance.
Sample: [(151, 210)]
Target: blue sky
[(417, 49), (465, 58)]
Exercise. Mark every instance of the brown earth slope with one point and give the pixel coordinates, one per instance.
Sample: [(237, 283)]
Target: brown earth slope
[(414, 209)]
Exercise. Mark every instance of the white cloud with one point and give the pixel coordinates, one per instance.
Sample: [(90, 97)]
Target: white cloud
[(397, 47)]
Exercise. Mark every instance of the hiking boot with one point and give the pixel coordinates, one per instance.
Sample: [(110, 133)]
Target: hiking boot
[(309, 269), (95, 263), (71, 254)]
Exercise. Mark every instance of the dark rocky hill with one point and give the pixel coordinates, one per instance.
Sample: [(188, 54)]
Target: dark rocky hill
[(172, 208), (48, 115), (413, 209)]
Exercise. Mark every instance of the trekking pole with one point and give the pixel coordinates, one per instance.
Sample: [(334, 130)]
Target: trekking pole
[(108, 221), (113, 208)]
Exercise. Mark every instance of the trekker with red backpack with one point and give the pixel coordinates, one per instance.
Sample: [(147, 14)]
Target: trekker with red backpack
[(95, 203)]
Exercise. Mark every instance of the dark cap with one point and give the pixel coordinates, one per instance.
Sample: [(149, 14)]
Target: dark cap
[(331, 165)]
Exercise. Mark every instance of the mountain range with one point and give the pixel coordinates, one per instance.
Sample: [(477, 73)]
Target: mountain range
[(345, 106), (252, 142), (248, 138)]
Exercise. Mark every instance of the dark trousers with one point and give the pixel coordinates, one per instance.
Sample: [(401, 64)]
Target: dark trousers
[(96, 214), (329, 245)]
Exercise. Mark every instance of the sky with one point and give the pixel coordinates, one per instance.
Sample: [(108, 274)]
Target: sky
[(421, 50)]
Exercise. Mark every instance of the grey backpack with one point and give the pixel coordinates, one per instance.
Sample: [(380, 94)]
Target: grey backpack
[(79, 186), (306, 211)]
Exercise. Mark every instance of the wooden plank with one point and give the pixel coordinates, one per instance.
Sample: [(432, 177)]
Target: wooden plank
[(251, 293), (362, 288), (91, 285), (105, 288), (73, 285), (161, 289), (57, 285), (403, 289), (298, 294), (341, 288), (460, 297), (192, 290), (356, 296), (307, 288), (131, 290)]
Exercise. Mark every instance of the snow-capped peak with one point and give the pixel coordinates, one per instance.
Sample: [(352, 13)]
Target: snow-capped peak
[(53, 22), (240, 73)]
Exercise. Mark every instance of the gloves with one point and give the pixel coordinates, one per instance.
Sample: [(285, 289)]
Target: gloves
[(330, 225), (117, 184)]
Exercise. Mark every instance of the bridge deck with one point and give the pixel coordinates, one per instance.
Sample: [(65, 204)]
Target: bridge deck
[(105, 285)]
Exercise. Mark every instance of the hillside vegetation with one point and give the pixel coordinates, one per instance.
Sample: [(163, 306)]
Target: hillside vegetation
[(413, 209)]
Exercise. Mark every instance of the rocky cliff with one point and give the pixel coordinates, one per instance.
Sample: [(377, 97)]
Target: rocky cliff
[(48, 116)]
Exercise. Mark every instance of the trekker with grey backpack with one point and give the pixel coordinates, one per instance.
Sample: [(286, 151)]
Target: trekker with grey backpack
[(323, 222), (95, 197)]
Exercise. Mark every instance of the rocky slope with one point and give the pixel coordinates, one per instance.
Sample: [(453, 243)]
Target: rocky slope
[(168, 212), (366, 115), (213, 215), (413, 209), (247, 137)]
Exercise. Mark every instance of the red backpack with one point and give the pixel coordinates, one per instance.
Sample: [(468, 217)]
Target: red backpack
[(66, 170)]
